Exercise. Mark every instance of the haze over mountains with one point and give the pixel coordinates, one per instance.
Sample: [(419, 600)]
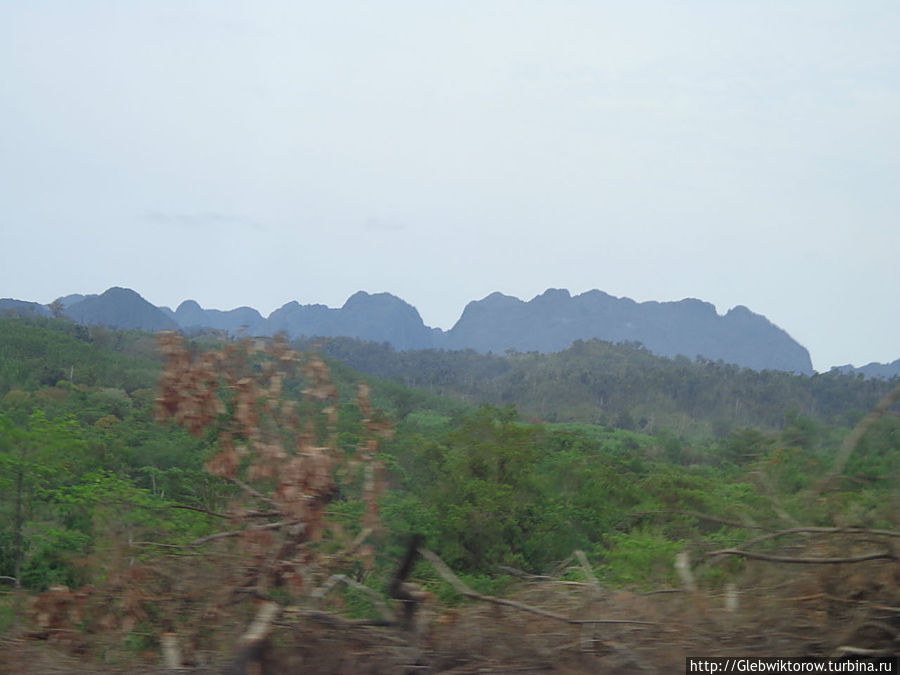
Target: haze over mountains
[(497, 323)]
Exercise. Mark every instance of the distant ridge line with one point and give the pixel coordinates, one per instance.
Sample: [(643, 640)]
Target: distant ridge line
[(549, 322)]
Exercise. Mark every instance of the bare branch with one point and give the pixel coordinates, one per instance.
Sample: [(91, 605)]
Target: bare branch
[(199, 510), (588, 570), (238, 533), (855, 436), (848, 601), (355, 544), (441, 567), (820, 530), (702, 516), (255, 493), (409, 595), (530, 577), (335, 620), (251, 641), (228, 516), (333, 580), (886, 555)]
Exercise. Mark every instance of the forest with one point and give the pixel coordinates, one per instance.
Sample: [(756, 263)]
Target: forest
[(336, 506)]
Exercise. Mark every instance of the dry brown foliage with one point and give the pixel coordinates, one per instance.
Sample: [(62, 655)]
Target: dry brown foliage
[(783, 610), (283, 454), (273, 415)]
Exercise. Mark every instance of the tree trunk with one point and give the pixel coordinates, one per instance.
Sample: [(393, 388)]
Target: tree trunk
[(17, 528)]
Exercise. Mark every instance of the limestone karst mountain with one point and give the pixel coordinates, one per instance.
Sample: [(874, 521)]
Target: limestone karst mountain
[(190, 315), (380, 317), (120, 308), (552, 321), (549, 322)]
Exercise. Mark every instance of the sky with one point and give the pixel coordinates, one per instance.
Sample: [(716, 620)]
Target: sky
[(255, 153)]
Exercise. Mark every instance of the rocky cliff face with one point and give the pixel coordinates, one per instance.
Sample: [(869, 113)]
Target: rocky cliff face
[(552, 321), (381, 317), (190, 315), (548, 323)]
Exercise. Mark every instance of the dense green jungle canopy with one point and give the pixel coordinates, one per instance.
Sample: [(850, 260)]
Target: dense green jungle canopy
[(622, 385), (502, 463)]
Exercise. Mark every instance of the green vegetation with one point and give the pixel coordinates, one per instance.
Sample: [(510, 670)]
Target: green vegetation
[(621, 385), (91, 483)]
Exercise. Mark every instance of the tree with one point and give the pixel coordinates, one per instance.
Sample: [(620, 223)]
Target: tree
[(284, 455), (36, 459), (57, 308), (476, 490)]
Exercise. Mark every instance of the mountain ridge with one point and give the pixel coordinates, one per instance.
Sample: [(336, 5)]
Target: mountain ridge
[(549, 322)]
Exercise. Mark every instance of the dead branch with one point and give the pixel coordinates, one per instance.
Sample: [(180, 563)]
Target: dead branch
[(238, 533), (702, 516), (355, 544), (199, 510), (171, 650), (854, 437), (524, 575), (408, 594), (540, 578), (441, 568), (820, 530), (261, 624), (588, 631), (886, 555), (251, 641), (334, 620), (848, 601), (588, 570), (377, 600), (255, 493), (259, 514)]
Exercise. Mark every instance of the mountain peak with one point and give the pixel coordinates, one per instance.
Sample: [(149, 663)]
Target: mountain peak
[(553, 320), (364, 299), (558, 295), (121, 292), (189, 306), (549, 322), (119, 307)]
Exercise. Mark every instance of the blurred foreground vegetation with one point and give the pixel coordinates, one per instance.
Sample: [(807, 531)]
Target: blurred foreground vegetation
[(91, 484)]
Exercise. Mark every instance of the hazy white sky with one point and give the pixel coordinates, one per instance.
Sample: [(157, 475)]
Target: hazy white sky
[(253, 153)]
